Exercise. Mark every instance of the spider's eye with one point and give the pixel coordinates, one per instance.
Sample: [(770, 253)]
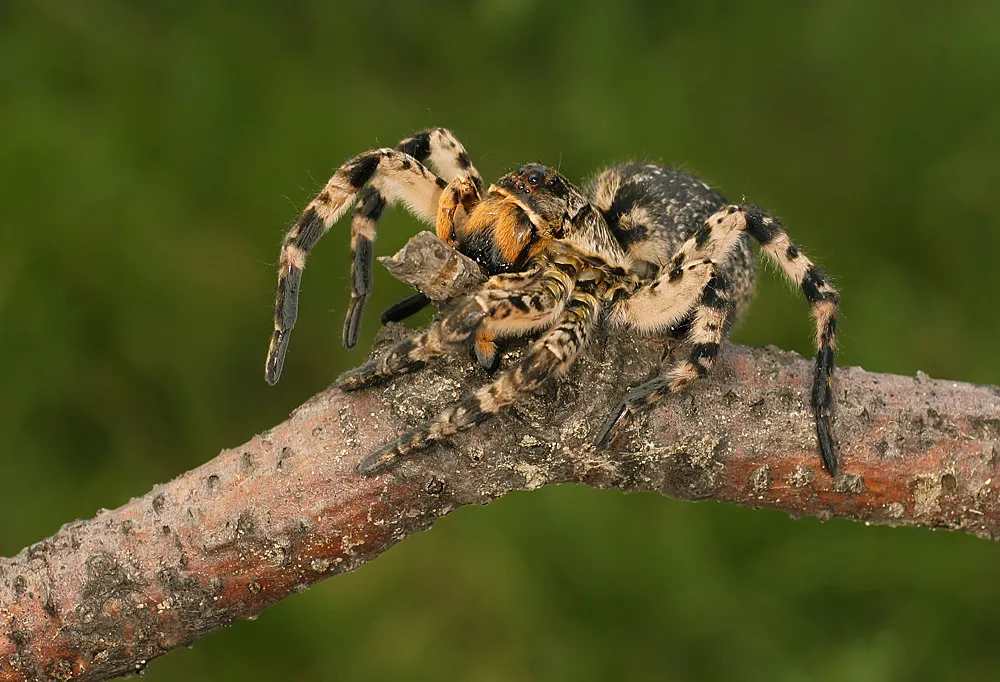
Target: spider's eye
[(555, 183), (534, 178)]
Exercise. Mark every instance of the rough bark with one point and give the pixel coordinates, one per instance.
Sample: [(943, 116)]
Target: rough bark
[(103, 597)]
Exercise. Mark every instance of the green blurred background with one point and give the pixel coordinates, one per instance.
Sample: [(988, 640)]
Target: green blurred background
[(153, 153)]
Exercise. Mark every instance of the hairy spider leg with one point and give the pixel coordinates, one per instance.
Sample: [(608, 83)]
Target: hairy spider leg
[(715, 240), (706, 332), (449, 158), (824, 302), (518, 301), (549, 356), (659, 304), (397, 177)]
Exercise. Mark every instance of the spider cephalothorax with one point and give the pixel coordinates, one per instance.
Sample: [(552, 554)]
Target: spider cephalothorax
[(651, 249), (516, 220)]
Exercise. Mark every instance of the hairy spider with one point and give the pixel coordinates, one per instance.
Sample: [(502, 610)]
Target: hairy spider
[(653, 249)]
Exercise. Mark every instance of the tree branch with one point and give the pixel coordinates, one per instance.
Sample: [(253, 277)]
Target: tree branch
[(259, 522)]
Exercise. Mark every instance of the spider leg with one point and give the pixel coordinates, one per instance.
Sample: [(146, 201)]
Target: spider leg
[(511, 302), (660, 304), (707, 330), (396, 175), (716, 240), (402, 309), (449, 158), (825, 304), (366, 215), (549, 356)]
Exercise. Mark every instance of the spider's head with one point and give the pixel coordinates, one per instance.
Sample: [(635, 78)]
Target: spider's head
[(541, 191), (518, 216)]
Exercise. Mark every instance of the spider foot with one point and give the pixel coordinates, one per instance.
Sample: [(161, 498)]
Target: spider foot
[(827, 449), (276, 355), (616, 422), (398, 360), (822, 404), (359, 377), (389, 454), (352, 321), (380, 460), (635, 401)]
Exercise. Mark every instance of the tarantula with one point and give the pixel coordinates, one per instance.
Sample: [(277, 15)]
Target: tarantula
[(653, 249)]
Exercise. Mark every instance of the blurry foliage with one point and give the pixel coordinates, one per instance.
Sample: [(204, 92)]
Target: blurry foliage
[(153, 154)]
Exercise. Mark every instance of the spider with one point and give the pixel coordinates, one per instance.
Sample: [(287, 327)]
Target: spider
[(648, 248)]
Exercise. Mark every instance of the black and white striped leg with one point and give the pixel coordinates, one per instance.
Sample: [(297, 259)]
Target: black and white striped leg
[(526, 300), (659, 305), (824, 302), (366, 215), (449, 158), (819, 292), (707, 331), (549, 356), (396, 175), (716, 240)]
